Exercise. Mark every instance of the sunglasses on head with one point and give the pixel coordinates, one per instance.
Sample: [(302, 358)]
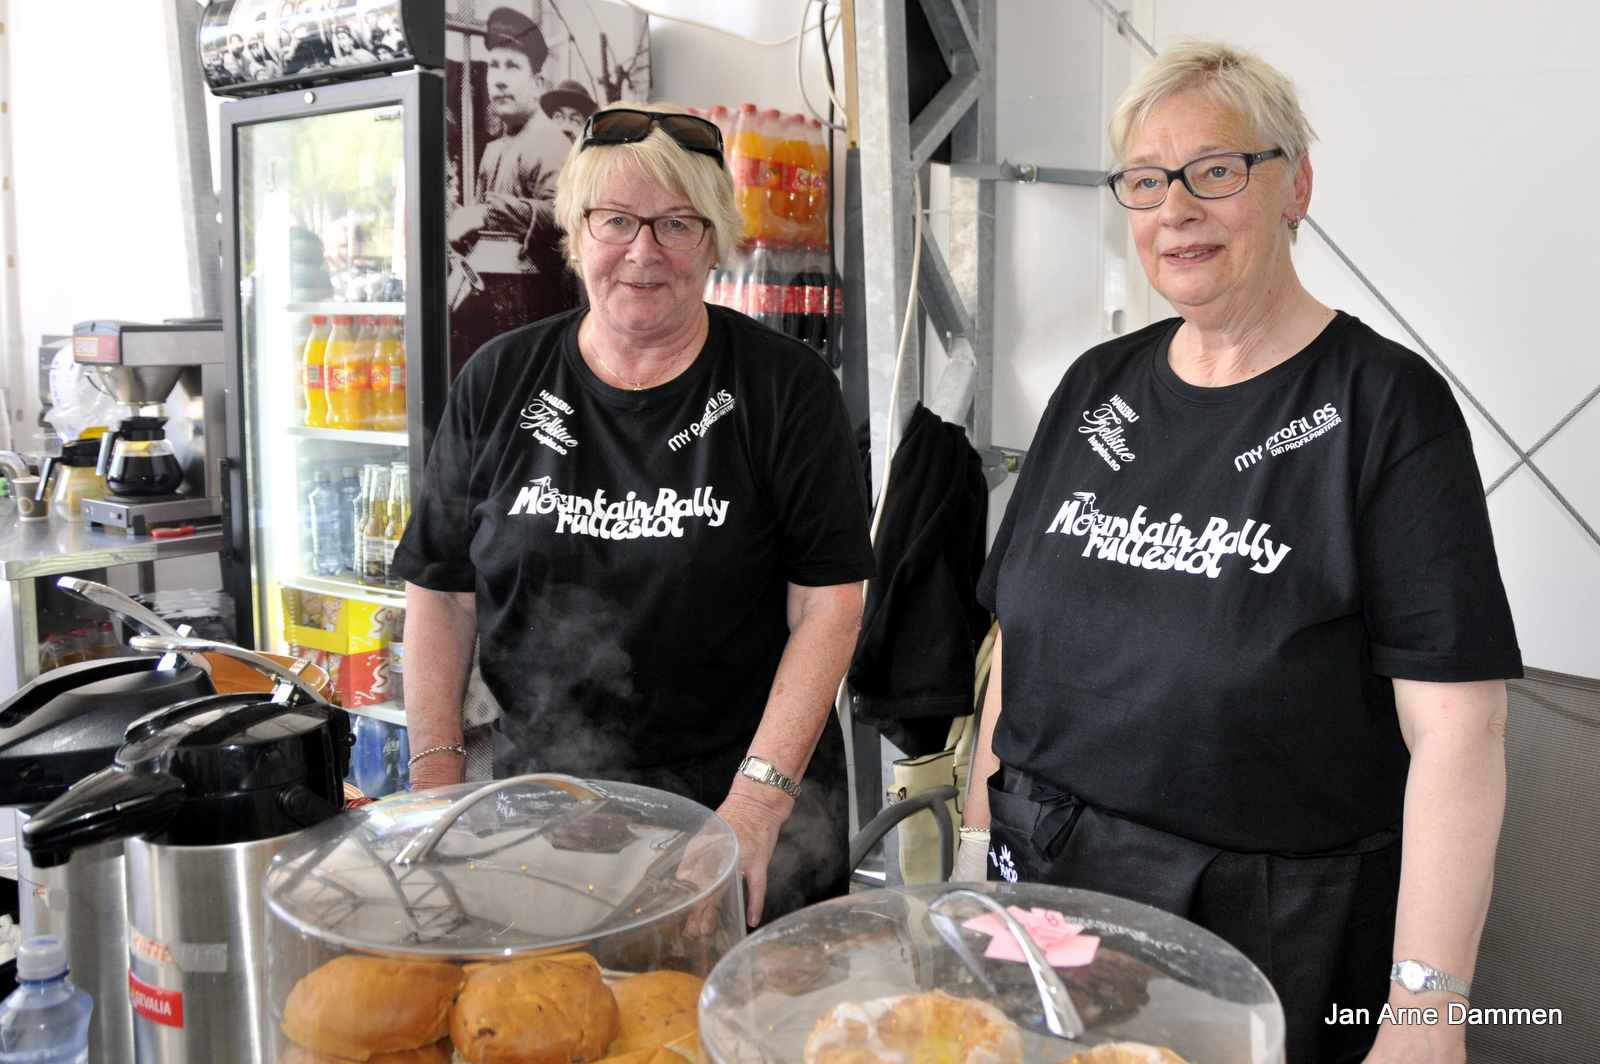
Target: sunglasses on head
[(623, 125)]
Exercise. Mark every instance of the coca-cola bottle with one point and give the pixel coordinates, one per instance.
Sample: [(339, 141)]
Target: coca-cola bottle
[(814, 302), (792, 265), (764, 289)]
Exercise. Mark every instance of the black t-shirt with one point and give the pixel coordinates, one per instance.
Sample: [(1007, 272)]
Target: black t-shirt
[(1204, 590), (631, 551)]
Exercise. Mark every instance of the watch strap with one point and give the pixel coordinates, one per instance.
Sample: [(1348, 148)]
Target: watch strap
[(766, 772), (1405, 974)]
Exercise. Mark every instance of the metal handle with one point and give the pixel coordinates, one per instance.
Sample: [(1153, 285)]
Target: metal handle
[(109, 598), (288, 681), (1060, 1014), (420, 847), (108, 443)]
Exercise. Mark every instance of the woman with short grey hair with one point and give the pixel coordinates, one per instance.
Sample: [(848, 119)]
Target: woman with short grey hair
[(650, 515), (1254, 641)]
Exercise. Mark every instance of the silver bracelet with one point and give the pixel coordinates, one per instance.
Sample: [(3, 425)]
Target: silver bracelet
[(975, 834), (459, 751)]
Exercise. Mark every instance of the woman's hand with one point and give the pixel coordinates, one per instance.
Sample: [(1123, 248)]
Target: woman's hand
[(972, 862), (441, 628), (755, 817), (437, 770), (1420, 1043)]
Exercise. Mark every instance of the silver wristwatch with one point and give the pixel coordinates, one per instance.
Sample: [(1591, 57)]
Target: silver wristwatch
[(1417, 977), (765, 772)]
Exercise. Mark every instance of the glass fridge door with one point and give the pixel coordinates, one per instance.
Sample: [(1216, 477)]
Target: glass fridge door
[(322, 268)]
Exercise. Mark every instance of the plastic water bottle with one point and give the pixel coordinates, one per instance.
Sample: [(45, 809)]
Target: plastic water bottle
[(46, 1019), (326, 554), (349, 492)]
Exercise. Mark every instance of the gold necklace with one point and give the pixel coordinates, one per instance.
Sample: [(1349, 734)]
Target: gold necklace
[(640, 386)]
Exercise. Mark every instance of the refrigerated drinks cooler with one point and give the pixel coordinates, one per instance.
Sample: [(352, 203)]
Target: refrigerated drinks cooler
[(334, 221)]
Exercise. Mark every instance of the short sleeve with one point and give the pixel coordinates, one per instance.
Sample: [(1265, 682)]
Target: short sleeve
[(817, 488), (435, 551), (1436, 609)]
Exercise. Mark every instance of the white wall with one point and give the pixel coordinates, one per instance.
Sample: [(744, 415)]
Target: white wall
[(99, 225), (1447, 132)]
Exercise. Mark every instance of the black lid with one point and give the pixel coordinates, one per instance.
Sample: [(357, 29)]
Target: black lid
[(207, 772), (71, 721), (80, 453), (143, 428)]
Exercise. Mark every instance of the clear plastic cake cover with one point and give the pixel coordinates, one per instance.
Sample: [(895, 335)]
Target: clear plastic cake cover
[(528, 864), (1106, 981)]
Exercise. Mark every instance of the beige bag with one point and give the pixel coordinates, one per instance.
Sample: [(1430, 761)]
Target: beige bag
[(950, 767)]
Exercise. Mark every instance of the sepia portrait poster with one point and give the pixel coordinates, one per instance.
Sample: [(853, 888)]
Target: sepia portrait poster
[(522, 77)]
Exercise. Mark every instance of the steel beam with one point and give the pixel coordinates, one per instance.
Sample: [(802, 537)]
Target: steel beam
[(948, 106), (937, 291), (1026, 173), (972, 143), (952, 29)]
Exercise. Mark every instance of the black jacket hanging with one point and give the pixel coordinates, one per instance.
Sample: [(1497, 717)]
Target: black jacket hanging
[(914, 662)]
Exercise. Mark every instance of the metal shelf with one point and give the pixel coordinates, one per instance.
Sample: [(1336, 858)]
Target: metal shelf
[(346, 308), (367, 436), (346, 588)]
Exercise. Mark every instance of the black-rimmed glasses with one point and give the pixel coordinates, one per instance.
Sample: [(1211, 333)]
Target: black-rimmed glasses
[(1139, 188), (678, 232), (624, 125)]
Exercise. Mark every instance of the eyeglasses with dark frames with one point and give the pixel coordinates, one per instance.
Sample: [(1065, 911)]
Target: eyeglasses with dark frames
[(676, 232), (624, 125), (1141, 188)]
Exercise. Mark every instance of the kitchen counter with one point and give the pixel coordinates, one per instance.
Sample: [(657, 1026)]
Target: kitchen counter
[(30, 549)]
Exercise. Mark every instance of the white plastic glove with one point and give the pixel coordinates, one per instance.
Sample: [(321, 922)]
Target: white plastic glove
[(972, 862)]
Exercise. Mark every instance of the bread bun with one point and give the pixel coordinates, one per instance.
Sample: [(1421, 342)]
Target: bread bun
[(1125, 1053), (355, 1006), (553, 1010), (656, 1008), (914, 1029), (438, 1053)]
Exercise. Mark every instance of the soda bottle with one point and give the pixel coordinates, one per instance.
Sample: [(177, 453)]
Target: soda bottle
[(74, 647), (720, 118), (814, 308), (397, 656), (388, 378), (349, 495), (821, 203), (746, 160), (774, 227), (399, 514), (791, 267), (738, 290), (374, 572), (326, 555), (359, 522), (764, 292), (790, 199), (50, 653), (346, 377), (105, 643), (46, 1019), (312, 373)]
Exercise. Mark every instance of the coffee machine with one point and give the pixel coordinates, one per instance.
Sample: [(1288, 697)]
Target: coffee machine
[(177, 366)]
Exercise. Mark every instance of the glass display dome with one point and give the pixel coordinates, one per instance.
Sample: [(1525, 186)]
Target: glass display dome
[(391, 922), (915, 974)]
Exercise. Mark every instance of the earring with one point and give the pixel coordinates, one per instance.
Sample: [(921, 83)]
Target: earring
[(1294, 223)]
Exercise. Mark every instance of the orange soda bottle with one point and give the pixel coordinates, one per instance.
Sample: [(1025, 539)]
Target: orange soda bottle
[(746, 159), (388, 378), (311, 370), (821, 205), (346, 378), (789, 201)]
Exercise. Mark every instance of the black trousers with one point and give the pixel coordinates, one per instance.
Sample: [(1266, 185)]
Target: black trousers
[(1320, 926), (811, 860)]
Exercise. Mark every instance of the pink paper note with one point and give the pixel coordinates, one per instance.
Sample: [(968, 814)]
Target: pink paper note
[(1062, 941)]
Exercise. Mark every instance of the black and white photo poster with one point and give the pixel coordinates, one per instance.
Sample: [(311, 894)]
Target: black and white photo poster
[(257, 42), (522, 77)]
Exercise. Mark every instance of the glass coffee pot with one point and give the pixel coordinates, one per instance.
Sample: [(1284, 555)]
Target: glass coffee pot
[(137, 459)]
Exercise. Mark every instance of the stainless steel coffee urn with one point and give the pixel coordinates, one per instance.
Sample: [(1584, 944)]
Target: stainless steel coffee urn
[(63, 726), (203, 794)]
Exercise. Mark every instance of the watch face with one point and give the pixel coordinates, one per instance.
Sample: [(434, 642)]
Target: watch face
[(1412, 976)]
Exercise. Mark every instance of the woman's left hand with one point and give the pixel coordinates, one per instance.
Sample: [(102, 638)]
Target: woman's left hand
[(756, 818), (1420, 1043)]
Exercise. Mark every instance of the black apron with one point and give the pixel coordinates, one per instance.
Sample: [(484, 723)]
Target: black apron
[(1319, 926)]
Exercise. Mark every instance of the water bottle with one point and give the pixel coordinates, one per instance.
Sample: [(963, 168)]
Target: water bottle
[(349, 492), (326, 553), (46, 1019)]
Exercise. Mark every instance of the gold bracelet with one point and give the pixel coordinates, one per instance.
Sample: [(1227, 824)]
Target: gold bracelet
[(975, 834)]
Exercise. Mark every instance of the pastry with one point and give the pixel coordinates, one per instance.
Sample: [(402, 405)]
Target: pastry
[(931, 1028), (789, 969), (553, 1010), (1125, 1053), (355, 1006), (655, 1008), (437, 1053), (594, 833)]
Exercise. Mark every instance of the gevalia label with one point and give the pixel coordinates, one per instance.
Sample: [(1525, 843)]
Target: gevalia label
[(154, 1003)]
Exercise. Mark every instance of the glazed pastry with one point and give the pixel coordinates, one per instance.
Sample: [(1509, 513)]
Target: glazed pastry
[(656, 1008), (931, 1028), (1125, 1053), (553, 1010), (357, 1006), (437, 1053)]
